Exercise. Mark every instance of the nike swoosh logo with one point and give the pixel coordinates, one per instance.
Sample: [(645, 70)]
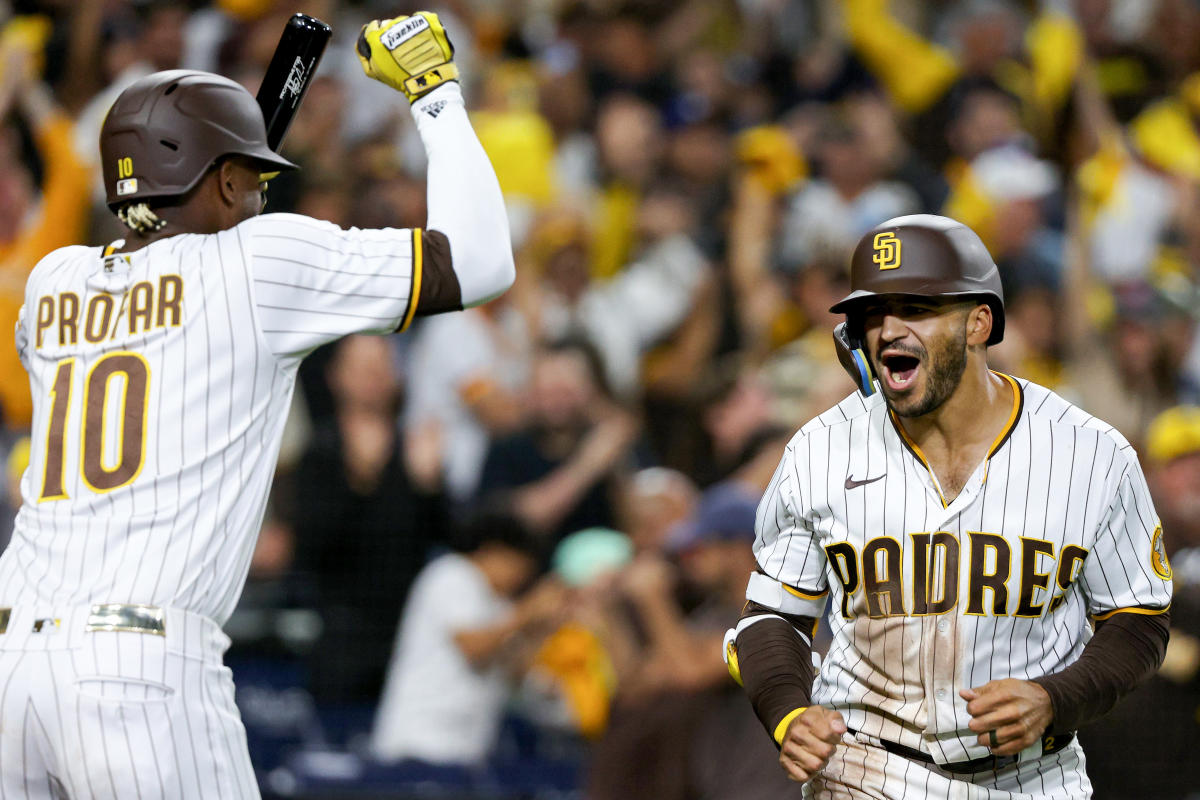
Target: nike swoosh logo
[(853, 484)]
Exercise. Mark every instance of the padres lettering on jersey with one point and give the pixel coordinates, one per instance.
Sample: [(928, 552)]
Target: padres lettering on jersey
[(161, 382), (1055, 528)]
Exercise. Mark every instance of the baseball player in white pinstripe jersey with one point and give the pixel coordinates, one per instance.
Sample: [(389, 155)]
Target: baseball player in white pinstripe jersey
[(161, 369), (988, 554)]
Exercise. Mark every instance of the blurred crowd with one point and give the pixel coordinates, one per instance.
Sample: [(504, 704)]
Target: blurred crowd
[(520, 531)]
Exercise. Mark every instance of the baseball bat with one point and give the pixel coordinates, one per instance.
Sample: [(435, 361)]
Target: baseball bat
[(290, 73)]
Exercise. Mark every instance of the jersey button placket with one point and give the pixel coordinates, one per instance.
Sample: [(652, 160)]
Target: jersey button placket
[(944, 664)]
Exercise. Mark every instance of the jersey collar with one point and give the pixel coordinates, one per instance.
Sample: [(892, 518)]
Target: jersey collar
[(1005, 433)]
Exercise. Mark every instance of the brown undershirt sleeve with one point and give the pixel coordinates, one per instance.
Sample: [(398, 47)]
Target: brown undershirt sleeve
[(439, 285), (775, 663), (1126, 649)]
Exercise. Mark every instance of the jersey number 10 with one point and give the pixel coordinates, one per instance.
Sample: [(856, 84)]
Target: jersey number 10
[(131, 445)]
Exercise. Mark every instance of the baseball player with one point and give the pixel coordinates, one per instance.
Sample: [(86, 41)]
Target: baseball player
[(991, 562), (161, 368)]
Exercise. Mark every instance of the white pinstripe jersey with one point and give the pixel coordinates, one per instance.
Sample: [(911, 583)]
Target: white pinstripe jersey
[(161, 382), (1054, 528)]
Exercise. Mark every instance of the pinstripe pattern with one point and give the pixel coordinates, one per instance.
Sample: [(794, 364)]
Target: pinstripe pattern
[(126, 715), (99, 715), (257, 299), (1061, 477), (860, 770)]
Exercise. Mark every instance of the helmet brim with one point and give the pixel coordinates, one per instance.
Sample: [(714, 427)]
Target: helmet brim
[(272, 161), (852, 302)]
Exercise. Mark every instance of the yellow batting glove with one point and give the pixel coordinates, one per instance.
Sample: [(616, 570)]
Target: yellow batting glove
[(411, 54)]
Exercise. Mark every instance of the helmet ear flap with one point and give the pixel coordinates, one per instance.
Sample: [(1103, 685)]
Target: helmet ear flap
[(851, 352)]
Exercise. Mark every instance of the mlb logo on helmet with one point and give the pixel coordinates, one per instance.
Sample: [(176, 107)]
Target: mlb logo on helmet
[(399, 34), (127, 186)]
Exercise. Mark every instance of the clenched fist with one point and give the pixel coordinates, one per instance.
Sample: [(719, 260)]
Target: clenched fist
[(412, 54), (809, 741), (1009, 714)]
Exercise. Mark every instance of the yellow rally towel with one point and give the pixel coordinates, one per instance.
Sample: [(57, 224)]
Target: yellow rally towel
[(615, 220), (576, 659), (520, 146), (1165, 136)]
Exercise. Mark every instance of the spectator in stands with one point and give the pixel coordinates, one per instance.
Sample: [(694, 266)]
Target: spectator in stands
[(1122, 371), (678, 729), (1173, 452), (31, 225), (578, 668), (831, 212), (1163, 711), (881, 130), (627, 312), (471, 624), (733, 406), (1034, 67), (1034, 348), (653, 502), (474, 366), (145, 38), (559, 471), (15, 461), (363, 525), (1002, 195)]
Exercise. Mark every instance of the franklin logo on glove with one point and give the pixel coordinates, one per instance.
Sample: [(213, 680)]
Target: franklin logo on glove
[(412, 54), (401, 33)]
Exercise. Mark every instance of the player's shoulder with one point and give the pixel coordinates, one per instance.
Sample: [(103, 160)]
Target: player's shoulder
[(304, 239), (55, 262), (58, 265), (286, 224), (1048, 406), (284, 230), (282, 238), (851, 410)]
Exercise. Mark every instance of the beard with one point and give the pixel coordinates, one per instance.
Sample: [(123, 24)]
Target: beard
[(944, 370)]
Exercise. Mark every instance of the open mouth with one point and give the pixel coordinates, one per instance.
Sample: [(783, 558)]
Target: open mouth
[(900, 370)]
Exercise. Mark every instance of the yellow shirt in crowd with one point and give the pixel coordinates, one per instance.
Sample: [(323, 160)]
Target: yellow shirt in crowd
[(59, 221)]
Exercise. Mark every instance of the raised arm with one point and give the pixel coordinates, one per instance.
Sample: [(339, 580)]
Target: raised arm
[(914, 71), (470, 257), (315, 282)]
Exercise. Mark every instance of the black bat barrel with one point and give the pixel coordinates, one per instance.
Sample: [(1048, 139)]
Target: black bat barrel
[(290, 72)]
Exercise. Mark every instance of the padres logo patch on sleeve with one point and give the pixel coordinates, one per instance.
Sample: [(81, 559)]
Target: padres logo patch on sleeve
[(1158, 555)]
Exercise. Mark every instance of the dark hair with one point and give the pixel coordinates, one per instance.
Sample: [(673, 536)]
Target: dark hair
[(718, 383), (495, 523), (577, 343), (972, 86)]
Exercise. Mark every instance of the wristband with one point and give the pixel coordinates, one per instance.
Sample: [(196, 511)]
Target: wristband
[(781, 728)]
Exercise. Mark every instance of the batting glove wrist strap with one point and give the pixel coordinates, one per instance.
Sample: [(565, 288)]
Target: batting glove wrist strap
[(411, 54)]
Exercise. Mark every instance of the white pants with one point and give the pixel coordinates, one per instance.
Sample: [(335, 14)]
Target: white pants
[(108, 714), (861, 770)]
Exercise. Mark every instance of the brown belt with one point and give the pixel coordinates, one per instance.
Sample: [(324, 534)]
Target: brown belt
[(1050, 744)]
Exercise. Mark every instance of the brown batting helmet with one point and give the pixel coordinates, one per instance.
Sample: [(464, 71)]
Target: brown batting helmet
[(924, 255), (921, 255), (164, 132)]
